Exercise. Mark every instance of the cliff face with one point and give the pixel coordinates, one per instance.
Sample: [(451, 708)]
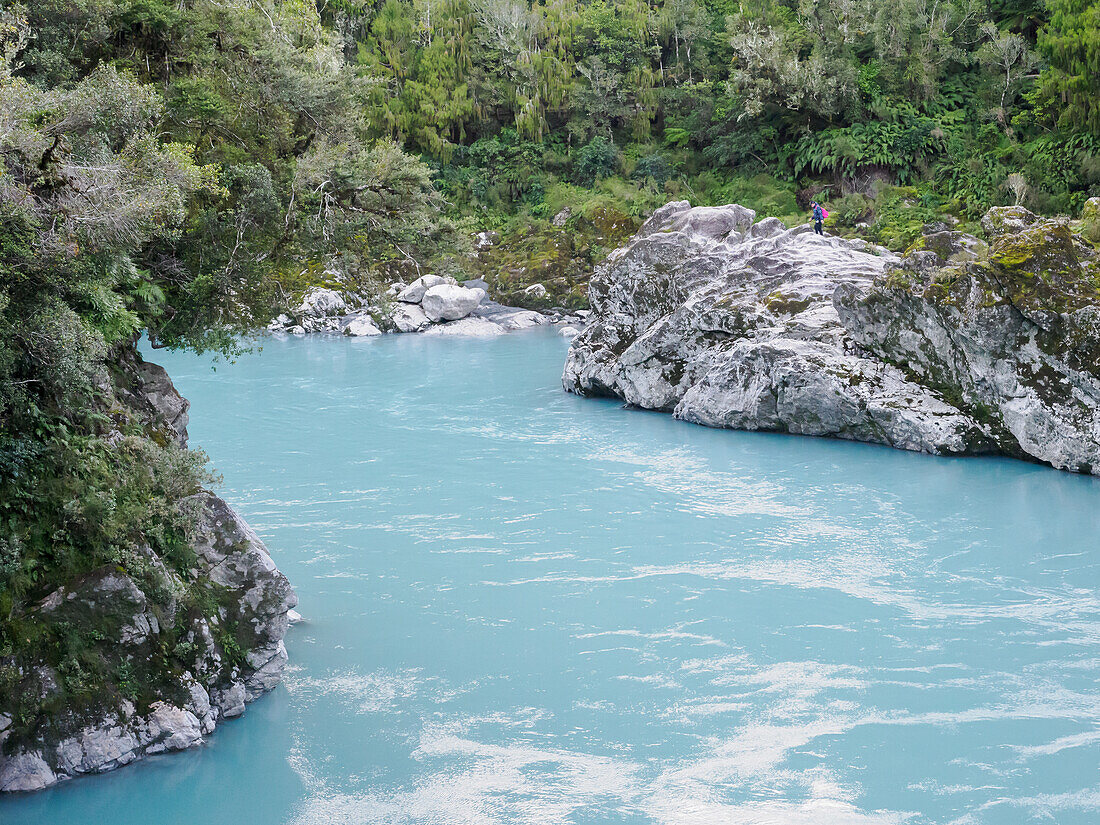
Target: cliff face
[(170, 651), (960, 347)]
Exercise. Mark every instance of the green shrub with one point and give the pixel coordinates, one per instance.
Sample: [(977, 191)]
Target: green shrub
[(655, 166), (850, 210), (599, 158), (900, 216)]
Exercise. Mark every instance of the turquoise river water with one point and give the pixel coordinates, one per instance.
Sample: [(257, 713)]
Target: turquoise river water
[(528, 608)]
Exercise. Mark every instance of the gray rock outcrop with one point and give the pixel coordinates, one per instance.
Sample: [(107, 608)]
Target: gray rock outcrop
[(187, 647), (159, 393), (959, 348)]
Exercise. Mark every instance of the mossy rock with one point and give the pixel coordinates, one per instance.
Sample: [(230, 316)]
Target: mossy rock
[(607, 225), (783, 304), (1002, 220), (954, 247), (1047, 269), (1090, 220)]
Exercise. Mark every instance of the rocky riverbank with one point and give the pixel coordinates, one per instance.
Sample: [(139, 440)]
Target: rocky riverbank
[(964, 345), (166, 653), (432, 305)]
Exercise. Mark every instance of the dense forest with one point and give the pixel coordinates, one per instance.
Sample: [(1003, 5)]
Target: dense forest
[(186, 168)]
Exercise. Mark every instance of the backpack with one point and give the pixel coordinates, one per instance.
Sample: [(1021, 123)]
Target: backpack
[(824, 212)]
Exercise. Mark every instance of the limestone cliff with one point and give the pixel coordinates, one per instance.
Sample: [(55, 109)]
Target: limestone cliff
[(167, 648), (959, 347)]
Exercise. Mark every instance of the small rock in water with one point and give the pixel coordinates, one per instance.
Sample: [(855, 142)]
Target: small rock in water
[(473, 327), (361, 326), (569, 332), (510, 319)]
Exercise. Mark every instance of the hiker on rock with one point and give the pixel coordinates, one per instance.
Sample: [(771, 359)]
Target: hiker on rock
[(819, 216)]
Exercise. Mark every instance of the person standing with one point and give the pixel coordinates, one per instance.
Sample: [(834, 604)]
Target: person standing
[(818, 216)]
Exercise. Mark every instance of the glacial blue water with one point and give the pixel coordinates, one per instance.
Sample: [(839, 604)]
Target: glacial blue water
[(528, 608)]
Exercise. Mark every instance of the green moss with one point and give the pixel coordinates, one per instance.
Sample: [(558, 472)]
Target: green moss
[(787, 304), (1090, 221), (1046, 268)]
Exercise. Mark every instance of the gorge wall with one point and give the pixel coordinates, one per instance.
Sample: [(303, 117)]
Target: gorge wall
[(166, 648)]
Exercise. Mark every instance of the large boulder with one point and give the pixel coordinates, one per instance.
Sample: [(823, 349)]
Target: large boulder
[(408, 318), (361, 326), (322, 303), (958, 349), (1007, 219), (448, 302), (1012, 339), (414, 292)]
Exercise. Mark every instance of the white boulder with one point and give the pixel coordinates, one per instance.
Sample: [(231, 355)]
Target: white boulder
[(408, 318), (361, 326), (414, 292), (535, 291), (446, 302), (511, 319), (485, 240), (320, 303), (469, 327)]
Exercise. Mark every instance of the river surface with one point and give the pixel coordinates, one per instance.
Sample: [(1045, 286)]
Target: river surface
[(523, 607)]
